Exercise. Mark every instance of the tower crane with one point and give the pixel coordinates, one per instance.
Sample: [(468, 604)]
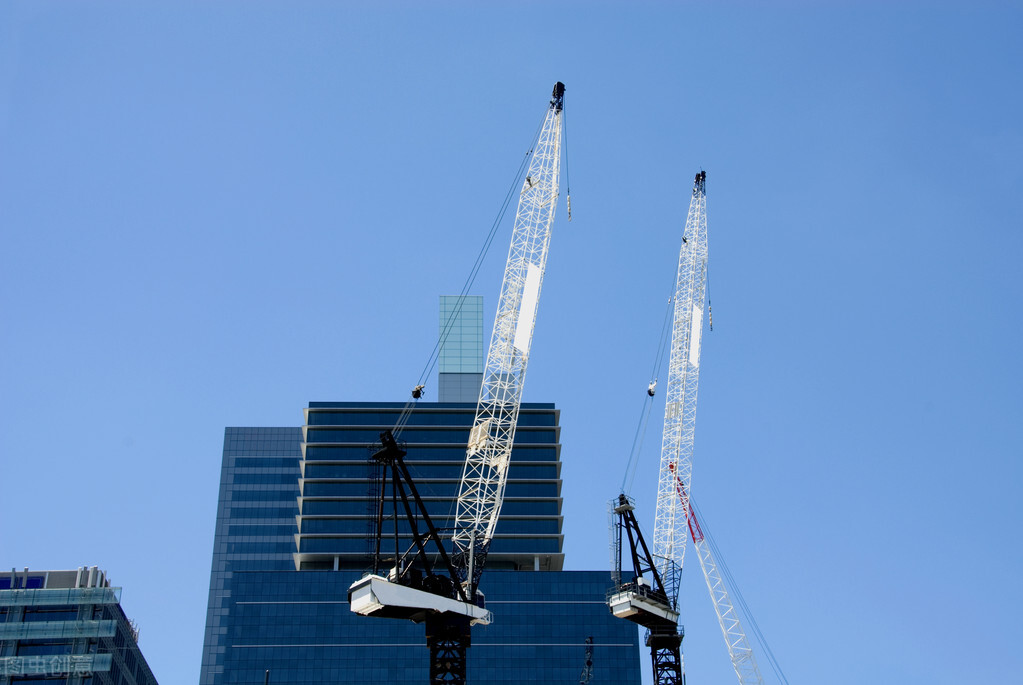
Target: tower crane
[(653, 601), (450, 602), (655, 606)]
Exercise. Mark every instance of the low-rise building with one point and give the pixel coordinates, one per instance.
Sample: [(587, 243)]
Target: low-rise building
[(67, 628)]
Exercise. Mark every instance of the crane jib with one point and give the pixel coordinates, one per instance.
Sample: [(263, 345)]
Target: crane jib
[(484, 474)]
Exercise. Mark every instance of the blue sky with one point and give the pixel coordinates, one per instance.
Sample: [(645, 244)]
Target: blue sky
[(213, 213)]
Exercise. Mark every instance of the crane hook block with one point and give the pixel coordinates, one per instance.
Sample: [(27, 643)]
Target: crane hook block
[(652, 388), (417, 391), (558, 97)]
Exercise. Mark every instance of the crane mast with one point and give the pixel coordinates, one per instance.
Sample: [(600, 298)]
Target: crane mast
[(669, 542), (490, 442)]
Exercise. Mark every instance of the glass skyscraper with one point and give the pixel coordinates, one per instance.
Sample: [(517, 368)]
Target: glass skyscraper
[(296, 526), (461, 351), (339, 485)]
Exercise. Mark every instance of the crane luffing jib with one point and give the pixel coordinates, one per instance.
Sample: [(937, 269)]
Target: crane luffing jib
[(490, 441), (669, 543), (739, 649)]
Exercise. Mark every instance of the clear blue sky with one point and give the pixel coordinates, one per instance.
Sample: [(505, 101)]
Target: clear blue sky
[(213, 213)]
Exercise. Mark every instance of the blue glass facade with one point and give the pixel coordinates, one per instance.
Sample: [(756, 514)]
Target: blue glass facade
[(67, 628), (461, 348), (285, 523), (340, 486), (298, 625)]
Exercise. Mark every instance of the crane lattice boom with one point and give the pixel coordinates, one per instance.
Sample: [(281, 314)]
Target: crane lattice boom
[(490, 442), (739, 649), (669, 543), (448, 603)]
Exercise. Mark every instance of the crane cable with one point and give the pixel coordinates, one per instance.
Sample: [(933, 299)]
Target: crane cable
[(733, 588), (710, 310), (564, 136), (637, 440), (644, 417), (406, 411)]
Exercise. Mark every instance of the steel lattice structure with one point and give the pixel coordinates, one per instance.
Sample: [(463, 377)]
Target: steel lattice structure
[(669, 543), (739, 649), (490, 442)]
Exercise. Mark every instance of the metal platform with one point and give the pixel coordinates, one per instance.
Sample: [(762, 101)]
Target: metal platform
[(641, 606), (376, 596)]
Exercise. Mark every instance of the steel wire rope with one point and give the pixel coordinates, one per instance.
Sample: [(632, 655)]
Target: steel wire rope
[(733, 588), (641, 426), (564, 137), (406, 411), (452, 513), (469, 281), (710, 310)]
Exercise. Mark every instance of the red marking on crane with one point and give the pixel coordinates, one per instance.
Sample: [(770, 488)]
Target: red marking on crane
[(694, 524)]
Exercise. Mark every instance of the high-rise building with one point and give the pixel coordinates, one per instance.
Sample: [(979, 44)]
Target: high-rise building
[(461, 350), (339, 486), (67, 628), (296, 525)]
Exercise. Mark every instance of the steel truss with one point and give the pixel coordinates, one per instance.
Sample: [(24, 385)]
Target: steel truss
[(739, 649), (490, 442), (669, 541), (448, 637)]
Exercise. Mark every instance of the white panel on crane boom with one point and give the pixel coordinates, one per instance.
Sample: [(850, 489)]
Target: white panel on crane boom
[(696, 334), (527, 310)]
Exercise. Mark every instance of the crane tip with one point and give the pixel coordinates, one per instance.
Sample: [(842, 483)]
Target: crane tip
[(558, 96)]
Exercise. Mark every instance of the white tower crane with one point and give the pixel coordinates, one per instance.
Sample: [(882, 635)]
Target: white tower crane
[(653, 602), (449, 604), (490, 442), (656, 606), (669, 545)]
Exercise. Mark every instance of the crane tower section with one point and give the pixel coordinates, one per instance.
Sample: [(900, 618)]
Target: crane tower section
[(490, 442), (670, 522)]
